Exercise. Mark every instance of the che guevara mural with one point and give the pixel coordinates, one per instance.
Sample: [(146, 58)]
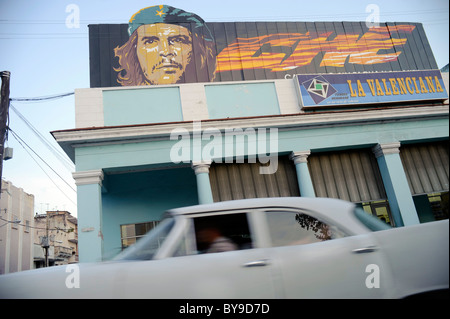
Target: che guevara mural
[(166, 45), (162, 47)]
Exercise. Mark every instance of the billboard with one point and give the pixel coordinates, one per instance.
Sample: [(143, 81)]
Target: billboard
[(166, 45), (328, 90)]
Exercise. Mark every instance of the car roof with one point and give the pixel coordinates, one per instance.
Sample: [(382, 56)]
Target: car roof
[(316, 204)]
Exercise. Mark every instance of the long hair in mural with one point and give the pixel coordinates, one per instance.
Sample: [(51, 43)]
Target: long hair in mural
[(166, 45)]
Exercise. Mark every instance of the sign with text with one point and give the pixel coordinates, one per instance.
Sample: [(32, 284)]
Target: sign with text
[(328, 90)]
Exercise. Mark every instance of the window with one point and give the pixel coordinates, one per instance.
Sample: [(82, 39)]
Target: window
[(15, 221), (379, 209), (186, 245), (220, 233), (296, 228), (147, 247), (439, 205), (214, 234), (432, 207), (132, 232), (27, 226), (370, 221)]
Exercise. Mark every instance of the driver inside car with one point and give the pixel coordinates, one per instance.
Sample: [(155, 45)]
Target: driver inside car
[(211, 240)]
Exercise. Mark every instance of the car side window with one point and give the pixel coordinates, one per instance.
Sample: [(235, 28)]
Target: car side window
[(186, 244), (215, 234), (221, 233), (146, 247), (288, 228)]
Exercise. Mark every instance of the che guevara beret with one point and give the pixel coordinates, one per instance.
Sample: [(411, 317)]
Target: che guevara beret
[(170, 15)]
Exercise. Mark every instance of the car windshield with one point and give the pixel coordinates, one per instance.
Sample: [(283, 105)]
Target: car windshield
[(146, 247), (370, 221)]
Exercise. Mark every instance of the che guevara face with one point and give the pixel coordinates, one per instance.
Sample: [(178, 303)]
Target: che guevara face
[(163, 51)]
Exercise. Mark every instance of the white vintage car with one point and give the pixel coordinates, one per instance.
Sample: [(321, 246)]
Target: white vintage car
[(264, 248)]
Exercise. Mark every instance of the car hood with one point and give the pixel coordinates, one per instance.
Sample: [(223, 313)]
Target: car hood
[(96, 280)]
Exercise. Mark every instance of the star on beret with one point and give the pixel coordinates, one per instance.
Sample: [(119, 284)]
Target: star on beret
[(160, 13)]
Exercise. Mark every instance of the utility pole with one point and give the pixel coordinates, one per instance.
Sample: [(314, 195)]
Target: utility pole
[(47, 239), (4, 109)]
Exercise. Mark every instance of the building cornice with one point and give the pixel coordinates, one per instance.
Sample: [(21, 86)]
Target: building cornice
[(73, 138)]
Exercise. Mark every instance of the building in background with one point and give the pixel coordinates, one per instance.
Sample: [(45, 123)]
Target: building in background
[(16, 229), (56, 239), (325, 109)]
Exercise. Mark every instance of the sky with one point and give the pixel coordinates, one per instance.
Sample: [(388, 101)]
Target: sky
[(45, 46)]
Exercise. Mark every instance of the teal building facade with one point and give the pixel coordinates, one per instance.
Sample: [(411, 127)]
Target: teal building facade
[(130, 174), (241, 124)]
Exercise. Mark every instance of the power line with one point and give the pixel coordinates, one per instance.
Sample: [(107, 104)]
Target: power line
[(308, 16), (58, 154), (23, 144), (74, 36), (20, 140), (55, 151), (62, 22), (42, 98), (34, 227)]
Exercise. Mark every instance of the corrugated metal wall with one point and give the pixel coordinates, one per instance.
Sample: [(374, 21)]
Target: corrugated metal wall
[(426, 167), (240, 181), (351, 175)]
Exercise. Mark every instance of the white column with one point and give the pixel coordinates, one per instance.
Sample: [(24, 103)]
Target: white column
[(201, 170), (303, 176)]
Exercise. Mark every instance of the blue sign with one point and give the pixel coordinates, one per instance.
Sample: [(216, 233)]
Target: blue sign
[(320, 90)]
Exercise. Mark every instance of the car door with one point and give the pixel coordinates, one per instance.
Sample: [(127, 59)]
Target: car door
[(317, 260), (183, 272)]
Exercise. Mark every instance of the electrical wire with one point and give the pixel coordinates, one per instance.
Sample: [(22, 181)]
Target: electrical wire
[(25, 146), (42, 98), (34, 227), (259, 18), (386, 16), (20, 140), (62, 157), (308, 17)]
